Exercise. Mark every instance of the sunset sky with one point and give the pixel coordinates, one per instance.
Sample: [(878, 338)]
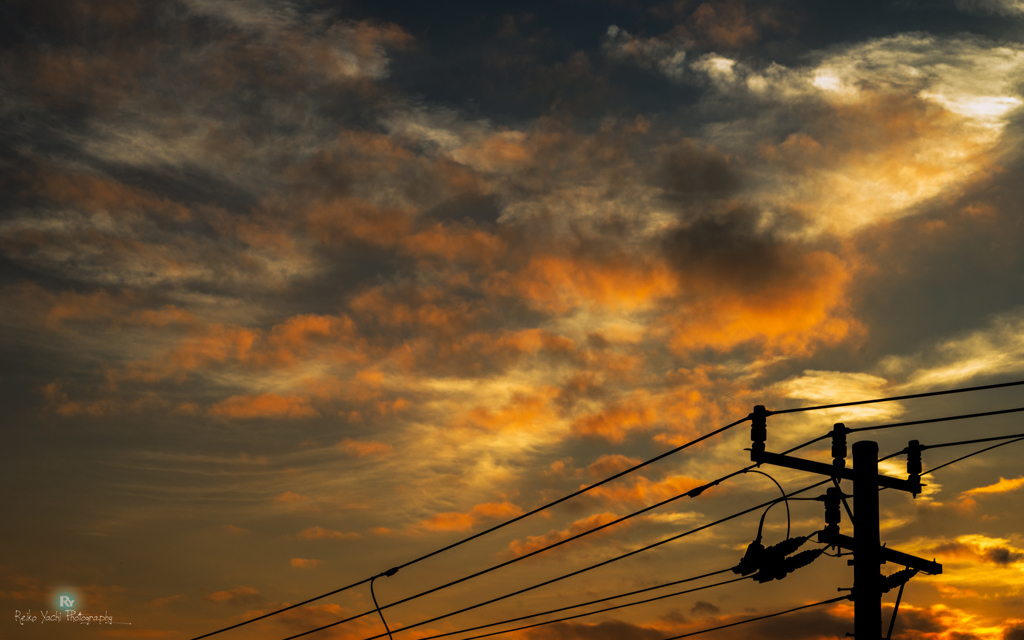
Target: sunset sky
[(294, 292)]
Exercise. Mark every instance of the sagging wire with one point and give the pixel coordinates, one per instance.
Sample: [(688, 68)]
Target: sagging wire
[(386, 574), (784, 498)]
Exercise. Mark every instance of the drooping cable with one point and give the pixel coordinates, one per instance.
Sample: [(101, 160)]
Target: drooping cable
[(765, 617), (386, 574), (894, 398), (576, 606), (572, 573), (789, 521), (491, 529)]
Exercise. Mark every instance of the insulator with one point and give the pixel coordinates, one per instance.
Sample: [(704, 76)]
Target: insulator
[(751, 560), (771, 569), (894, 580), (914, 458), (914, 462), (758, 429), (839, 445), (832, 513), (786, 547), (801, 559)]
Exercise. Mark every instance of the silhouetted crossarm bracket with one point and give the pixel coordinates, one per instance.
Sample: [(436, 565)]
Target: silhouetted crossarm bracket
[(887, 554), (767, 457)]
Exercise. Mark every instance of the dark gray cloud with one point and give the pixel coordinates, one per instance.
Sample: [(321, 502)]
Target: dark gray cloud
[(611, 630)]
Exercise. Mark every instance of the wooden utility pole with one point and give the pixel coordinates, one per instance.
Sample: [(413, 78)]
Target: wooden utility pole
[(867, 591)]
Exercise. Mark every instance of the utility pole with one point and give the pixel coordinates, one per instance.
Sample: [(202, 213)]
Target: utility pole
[(868, 553), (867, 595)]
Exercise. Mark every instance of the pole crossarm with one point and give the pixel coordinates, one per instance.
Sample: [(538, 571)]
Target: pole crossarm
[(821, 468), (887, 554)]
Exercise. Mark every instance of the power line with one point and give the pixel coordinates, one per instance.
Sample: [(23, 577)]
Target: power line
[(903, 424), (770, 615), (1012, 438), (907, 397), (1019, 438), (490, 530), (930, 420), (590, 613), (567, 575), (582, 604), (925, 447), (1001, 444)]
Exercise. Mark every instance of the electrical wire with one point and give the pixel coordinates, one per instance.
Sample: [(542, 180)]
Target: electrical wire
[(995, 446), (588, 613), (930, 420), (374, 596), (770, 615), (572, 573), (907, 397), (1019, 438), (575, 606), (491, 529), (925, 447), (760, 527), (1013, 438)]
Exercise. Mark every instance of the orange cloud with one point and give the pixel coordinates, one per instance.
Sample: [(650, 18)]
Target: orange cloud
[(264, 405), (362, 447), (455, 521), (726, 24), (977, 548), (524, 412), (532, 543), (788, 315), (236, 596), (610, 464), (283, 346), (101, 194), (455, 244), (501, 150), (102, 305), (304, 563), (645, 491), (319, 533), (163, 602), (559, 284), (344, 220), (949, 591), (290, 497), (292, 340), (427, 308), (616, 422), (218, 344), (1002, 486)]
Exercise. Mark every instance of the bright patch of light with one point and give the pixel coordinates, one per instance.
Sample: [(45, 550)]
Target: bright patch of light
[(828, 80)]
